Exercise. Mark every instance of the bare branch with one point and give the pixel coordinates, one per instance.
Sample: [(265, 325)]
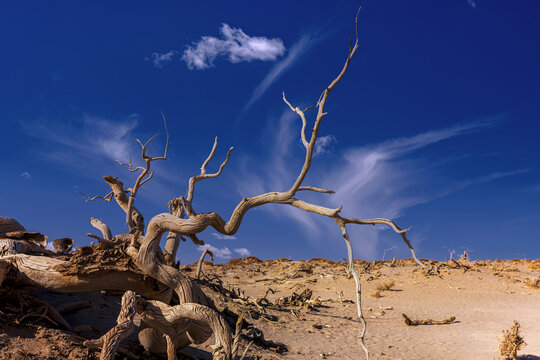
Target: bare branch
[(173, 240), (94, 236), (199, 264), (302, 116), (313, 188), (107, 197), (146, 172), (102, 227), (212, 153), (352, 270), (122, 199), (203, 175), (129, 165), (147, 179)]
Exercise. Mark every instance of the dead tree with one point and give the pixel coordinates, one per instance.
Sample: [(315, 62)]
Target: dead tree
[(140, 260)]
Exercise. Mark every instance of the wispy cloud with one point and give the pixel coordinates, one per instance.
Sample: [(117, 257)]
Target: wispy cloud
[(90, 145), (377, 180), (89, 136), (160, 59), (235, 45), (472, 3), (223, 237), (294, 54), (26, 175)]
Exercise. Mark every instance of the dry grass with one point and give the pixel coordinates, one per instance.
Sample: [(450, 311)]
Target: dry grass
[(376, 294), (534, 265), (511, 342), (386, 286), (533, 283)]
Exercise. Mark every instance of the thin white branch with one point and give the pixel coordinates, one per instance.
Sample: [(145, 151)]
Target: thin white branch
[(107, 197), (316, 189), (302, 116), (187, 203)]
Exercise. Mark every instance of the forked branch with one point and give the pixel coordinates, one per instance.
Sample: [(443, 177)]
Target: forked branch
[(141, 180), (203, 175)]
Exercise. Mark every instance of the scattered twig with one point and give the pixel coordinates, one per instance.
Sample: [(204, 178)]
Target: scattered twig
[(410, 322)]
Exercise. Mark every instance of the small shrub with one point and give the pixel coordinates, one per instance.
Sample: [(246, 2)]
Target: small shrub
[(511, 342), (386, 286), (376, 294), (533, 283)]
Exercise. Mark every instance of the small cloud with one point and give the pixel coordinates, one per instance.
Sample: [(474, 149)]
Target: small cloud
[(235, 45), (223, 253), (322, 146), (160, 59), (223, 237), (26, 175), (242, 251), (472, 3)]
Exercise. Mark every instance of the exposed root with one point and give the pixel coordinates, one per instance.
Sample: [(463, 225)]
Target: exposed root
[(410, 322), (111, 340)]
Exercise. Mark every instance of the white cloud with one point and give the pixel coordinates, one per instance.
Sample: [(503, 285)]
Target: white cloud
[(296, 51), (234, 45), (322, 146), (472, 3), (242, 252), (160, 59), (223, 253), (223, 237), (26, 175)]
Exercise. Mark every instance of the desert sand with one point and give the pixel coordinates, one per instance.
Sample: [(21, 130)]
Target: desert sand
[(485, 297)]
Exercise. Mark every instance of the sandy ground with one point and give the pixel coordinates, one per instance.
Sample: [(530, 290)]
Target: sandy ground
[(485, 297)]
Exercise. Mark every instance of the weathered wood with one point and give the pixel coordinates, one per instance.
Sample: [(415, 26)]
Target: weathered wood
[(124, 327), (201, 260), (40, 271), (62, 246), (13, 247), (102, 227), (122, 199)]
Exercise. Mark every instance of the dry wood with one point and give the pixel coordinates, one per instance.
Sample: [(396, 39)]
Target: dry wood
[(41, 271), (102, 227), (111, 340), (13, 247), (173, 240), (143, 177), (9, 225), (201, 260), (63, 245), (411, 322), (136, 219)]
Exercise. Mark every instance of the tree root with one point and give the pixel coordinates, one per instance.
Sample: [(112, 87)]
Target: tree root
[(410, 322), (111, 340)]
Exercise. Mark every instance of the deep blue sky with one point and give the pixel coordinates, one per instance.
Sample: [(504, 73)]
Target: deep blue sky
[(434, 126)]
